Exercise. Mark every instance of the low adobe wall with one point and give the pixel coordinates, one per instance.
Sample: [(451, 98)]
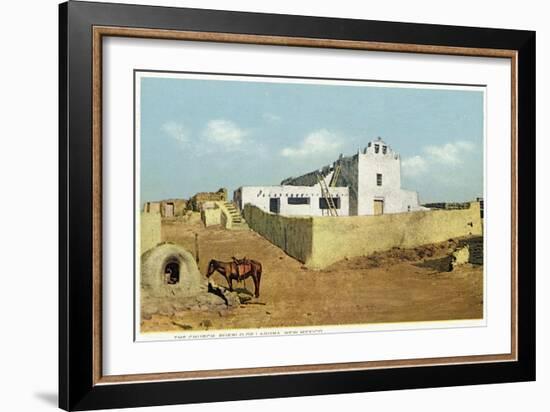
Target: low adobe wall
[(211, 216), (150, 230), (320, 241), (336, 238), (292, 234)]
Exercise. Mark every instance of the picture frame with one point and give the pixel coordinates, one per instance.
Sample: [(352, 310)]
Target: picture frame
[(83, 27)]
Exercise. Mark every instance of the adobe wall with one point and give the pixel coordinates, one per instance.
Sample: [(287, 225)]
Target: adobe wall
[(211, 216), (180, 207), (337, 238), (150, 230), (196, 202), (293, 234), (152, 207), (321, 241), (260, 196)]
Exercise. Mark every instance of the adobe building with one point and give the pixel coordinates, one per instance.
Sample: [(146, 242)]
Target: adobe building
[(367, 183), (196, 202), (294, 200), (167, 208)]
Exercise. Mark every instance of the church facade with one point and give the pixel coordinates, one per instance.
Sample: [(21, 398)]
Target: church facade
[(367, 183)]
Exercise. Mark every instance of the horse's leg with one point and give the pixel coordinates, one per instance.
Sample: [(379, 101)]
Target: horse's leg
[(258, 272), (230, 282), (256, 284)]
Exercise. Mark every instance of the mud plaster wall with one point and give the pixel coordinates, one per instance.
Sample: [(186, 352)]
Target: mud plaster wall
[(211, 217), (292, 234), (150, 230), (180, 206), (320, 241), (337, 238)]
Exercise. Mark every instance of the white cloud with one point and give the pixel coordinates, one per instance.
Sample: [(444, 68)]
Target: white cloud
[(225, 133), (450, 153), (316, 143), (176, 131), (466, 146), (414, 166)]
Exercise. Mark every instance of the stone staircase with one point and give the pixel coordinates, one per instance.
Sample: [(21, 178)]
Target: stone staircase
[(237, 221)]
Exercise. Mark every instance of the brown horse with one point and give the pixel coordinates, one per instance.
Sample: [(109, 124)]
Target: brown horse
[(238, 269)]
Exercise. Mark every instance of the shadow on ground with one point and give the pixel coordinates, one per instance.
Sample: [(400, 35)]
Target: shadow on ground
[(443, 264)]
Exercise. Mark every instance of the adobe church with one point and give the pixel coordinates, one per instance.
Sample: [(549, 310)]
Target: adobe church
[(367, 183)]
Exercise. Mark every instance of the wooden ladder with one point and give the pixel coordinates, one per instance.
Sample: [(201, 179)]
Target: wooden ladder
[(335, 175), (326, 194)]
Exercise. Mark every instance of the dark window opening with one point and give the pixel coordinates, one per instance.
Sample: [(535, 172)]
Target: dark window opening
[(275, 205), (298, 200), (172, 273), (378, 179), (376, 148), (384, 149), (323, 202)]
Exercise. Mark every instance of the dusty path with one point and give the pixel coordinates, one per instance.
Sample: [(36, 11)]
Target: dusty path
[(397, 286)]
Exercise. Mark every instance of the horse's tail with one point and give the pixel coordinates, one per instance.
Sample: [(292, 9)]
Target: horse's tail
[(258, 270)]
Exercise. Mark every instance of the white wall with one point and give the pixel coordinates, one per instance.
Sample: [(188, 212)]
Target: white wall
[(396, 200), (28, 164), (260, 196)]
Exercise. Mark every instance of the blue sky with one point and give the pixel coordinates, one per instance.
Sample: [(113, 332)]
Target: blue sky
[(202, 134)]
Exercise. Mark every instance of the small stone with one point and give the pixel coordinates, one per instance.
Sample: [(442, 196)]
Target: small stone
[(206, 323)]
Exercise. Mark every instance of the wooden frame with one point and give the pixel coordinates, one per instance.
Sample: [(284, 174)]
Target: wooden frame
[(82, 27)]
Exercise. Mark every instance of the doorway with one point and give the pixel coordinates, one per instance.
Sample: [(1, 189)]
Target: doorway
[(169, 210), (378, 207)]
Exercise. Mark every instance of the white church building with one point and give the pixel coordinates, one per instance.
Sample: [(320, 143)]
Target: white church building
[(367, 183)]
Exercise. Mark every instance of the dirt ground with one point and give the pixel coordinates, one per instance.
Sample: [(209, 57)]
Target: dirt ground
[(394, 286)]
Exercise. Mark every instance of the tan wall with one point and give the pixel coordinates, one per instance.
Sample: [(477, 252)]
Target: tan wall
[(152, 207), (195, 203), (180, 207), (292, 234), (150, 230), (337, 238), (320, 241), (211, 217)]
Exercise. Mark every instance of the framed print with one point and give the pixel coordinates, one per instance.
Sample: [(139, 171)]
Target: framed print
[(256, 205)]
